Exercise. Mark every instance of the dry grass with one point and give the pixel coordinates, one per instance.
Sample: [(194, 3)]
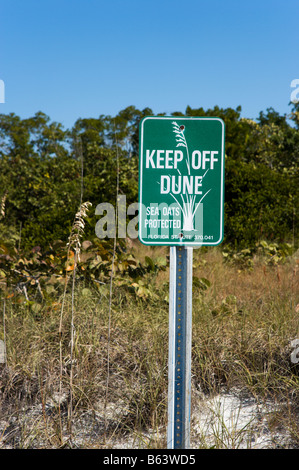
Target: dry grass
[(242, 328)]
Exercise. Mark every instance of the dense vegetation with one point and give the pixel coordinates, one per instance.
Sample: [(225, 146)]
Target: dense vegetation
[(41, 165), (84, 320)]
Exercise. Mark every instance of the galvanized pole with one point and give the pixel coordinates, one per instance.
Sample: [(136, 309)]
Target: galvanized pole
[(180, 336)]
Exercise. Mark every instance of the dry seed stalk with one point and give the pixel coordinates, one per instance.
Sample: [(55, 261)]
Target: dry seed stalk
[(2, 206), (78, 229), (73, 242)]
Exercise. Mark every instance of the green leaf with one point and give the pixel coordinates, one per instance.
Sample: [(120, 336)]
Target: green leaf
[(201, 283), (150, 262)]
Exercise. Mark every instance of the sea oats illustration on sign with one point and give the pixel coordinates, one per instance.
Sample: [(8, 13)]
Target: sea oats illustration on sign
[(189, 204)]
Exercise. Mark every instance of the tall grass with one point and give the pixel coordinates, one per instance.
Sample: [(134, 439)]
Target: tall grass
[(242, 328)]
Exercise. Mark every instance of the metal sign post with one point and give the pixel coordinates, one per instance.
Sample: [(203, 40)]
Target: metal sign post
[(180, 336)]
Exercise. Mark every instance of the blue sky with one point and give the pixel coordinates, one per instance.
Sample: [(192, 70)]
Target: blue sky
[(74, 58)]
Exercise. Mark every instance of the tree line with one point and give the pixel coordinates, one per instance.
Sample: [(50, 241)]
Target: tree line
[(45, 169)]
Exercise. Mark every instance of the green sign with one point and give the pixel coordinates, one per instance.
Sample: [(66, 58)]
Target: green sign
[(181, 180)]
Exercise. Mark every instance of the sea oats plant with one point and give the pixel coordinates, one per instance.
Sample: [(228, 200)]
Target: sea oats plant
[(2, 206), (78, 229), (74, 243)]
